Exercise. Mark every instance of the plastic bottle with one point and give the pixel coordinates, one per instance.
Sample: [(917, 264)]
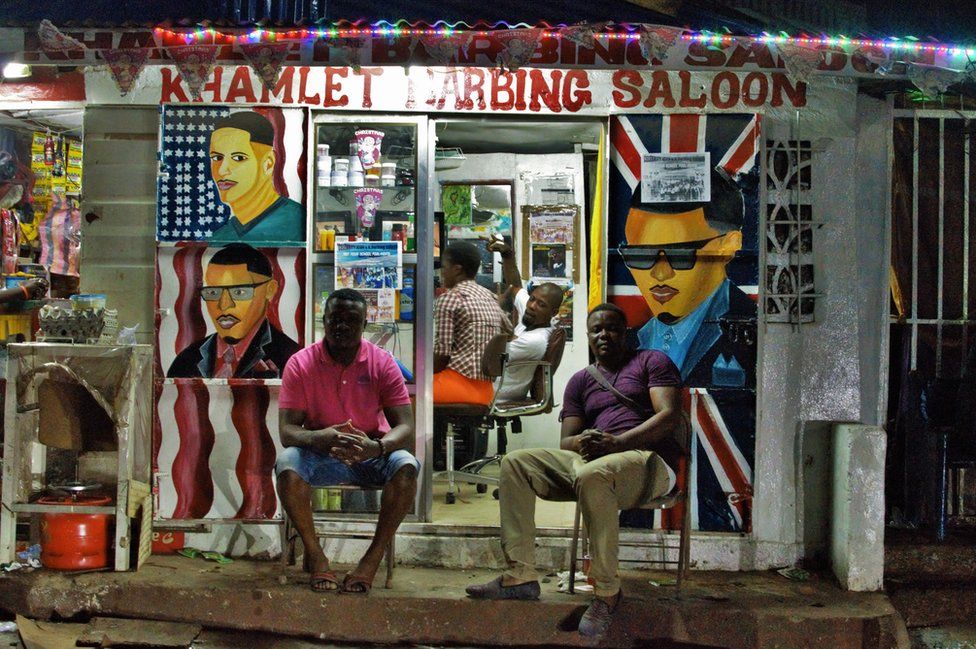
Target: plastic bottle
[(406, 296)]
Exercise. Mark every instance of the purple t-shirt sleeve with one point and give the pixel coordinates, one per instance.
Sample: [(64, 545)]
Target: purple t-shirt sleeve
[(573, 397), (393, 389), (292, 395), (661, 370)]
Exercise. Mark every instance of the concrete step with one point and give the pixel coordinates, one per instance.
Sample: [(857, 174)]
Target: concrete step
[(428, 606), (932, 603), (914, 555)]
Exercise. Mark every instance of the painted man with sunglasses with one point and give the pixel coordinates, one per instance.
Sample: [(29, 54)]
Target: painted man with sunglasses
[(238, 286), (677, 254)]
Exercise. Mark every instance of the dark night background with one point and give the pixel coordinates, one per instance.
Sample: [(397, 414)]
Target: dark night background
[(944, 20)]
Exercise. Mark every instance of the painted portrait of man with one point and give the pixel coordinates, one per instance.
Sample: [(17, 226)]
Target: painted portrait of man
[(677, 254), (684, 266), (238, 286), (242, 166)]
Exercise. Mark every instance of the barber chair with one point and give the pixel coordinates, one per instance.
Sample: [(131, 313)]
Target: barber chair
[(539, 400), (466, 415), (677, 496)]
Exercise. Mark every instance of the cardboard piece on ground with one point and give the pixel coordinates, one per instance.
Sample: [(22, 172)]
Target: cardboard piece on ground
[(48, 635), (113, 632)]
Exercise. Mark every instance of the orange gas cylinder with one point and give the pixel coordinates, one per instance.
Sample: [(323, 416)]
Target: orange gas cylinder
[(75, 541)]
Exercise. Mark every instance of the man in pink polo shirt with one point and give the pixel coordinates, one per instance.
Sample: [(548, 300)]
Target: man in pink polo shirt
[(345, 418)]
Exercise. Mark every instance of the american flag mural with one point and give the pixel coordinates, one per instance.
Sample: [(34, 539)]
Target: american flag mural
[(217, 449), (216, 440), (189, 206), (722, 417)]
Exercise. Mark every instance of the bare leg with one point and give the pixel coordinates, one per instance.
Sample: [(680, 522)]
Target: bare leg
[(398, 497), (296, 498)]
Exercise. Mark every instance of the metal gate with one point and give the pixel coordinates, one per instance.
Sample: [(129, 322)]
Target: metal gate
[(932, 355)]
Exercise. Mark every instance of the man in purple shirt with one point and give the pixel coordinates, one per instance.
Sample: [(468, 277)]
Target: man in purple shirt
[(612, 456)]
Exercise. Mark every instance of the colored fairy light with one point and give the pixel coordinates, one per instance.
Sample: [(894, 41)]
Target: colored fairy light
[(403, 28)]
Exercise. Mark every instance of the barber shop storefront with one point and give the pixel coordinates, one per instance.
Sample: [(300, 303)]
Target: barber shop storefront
[(713, 188)]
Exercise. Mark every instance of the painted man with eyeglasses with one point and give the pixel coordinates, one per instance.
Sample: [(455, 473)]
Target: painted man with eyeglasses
[(677, 254), (238, 286)]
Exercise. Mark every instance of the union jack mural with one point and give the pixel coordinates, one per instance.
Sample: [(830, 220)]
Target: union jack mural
[(717, 338)]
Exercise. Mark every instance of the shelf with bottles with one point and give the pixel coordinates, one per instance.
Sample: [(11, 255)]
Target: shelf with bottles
[(367, 155), (333, 226)]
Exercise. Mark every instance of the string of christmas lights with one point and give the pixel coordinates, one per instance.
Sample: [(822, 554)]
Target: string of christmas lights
[(385, 29)]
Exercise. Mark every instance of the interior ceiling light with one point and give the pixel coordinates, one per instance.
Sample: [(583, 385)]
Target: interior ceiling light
[(16, 71)]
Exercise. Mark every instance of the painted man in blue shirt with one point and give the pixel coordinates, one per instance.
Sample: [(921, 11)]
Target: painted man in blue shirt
[(677, 254), (242, 164)]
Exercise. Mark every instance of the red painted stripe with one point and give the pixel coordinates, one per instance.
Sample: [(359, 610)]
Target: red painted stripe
[(634, 306), (255, 464), (731, 468), (277, 119), (188, 265), (300, 309), (746, 150), (44, 86), (272, 312), (191, 466), (671, 518), (625, 148), (684, 133)]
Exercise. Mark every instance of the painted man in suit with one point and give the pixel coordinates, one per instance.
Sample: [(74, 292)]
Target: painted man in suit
[(238, 286)]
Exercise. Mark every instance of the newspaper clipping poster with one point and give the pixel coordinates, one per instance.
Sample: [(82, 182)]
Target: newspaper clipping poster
[(368, 264), (676, 178)]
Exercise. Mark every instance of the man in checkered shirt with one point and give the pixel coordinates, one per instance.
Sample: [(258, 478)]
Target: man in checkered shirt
[(465, 320)]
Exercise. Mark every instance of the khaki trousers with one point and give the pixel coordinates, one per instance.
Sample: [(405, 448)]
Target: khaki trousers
[(602, 487)]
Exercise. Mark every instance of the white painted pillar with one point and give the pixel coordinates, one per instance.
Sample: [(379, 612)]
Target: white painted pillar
[(857, 509)]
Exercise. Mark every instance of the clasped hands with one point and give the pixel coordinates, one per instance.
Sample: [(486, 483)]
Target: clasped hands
[(593, 444), (350, 445)]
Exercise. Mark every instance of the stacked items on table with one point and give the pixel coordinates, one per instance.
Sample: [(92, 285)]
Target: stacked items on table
[(83, 319)]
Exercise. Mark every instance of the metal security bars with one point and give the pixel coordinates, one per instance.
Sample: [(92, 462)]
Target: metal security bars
[(790, 290), (932, 265)]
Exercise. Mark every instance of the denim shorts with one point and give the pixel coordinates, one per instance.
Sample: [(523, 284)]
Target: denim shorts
[(325, 471)]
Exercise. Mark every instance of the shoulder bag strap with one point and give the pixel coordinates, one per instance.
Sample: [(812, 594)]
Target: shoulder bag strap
[(595, 372)]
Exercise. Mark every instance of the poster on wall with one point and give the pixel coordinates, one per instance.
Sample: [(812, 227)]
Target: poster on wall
[(456, 204), (215, 450), (676, 178), (549, 260), (368, 264), (492, 206), (233, 312), (686, 275), (552, 224), (232, 175)]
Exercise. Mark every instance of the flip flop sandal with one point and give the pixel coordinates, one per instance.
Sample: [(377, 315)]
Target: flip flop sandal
[(354, 585), (210, 555), (189, 553), (318, 581)]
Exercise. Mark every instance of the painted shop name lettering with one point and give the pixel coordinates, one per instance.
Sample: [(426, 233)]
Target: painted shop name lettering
[(491, 90), (727, 90)]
